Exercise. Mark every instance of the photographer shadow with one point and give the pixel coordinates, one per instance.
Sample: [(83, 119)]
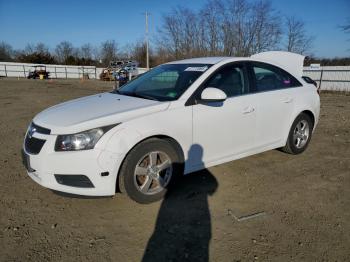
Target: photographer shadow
[(183, 227)]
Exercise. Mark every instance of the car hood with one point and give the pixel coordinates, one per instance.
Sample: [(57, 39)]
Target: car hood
[(95, 111)]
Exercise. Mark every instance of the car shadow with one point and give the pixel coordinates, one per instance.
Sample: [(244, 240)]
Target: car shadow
[(183, 226)]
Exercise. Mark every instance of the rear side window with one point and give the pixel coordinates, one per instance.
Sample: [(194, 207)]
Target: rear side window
[(268, 77)]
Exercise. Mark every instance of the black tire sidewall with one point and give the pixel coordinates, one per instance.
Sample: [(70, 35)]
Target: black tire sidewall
[(291, 145), (142, 149)]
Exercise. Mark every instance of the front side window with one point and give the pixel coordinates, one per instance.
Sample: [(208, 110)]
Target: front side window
[(268, 77), (164, 83), (229, 79)]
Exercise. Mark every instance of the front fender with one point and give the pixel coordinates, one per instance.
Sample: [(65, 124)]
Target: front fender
[(175, 123)]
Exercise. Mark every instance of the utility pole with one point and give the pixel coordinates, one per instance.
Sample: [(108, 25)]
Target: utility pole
[(146, 39)]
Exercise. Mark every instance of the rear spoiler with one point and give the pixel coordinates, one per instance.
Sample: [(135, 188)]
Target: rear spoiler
[(291, 62)]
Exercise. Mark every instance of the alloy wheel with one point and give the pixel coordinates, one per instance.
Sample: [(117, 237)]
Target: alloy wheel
[(153, 172), (301, 134)]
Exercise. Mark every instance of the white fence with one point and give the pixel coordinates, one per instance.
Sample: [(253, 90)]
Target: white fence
[(9, 69), (334, 78), (328, 78), (56, 71)]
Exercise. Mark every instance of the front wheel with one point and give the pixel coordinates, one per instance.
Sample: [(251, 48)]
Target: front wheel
[(149, 170), (299, 135)]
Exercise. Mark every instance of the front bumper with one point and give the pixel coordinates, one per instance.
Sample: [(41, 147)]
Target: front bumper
[(93, 164)]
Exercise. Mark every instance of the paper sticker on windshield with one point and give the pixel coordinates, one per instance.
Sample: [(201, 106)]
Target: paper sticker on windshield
[(196, 68)]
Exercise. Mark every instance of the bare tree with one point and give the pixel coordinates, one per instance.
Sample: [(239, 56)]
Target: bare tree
[(64, 51), (138, 53), (265, 30), (41, 48), (298, 40), (234, 26), (6, 52), (162, 55), (108, 51), (95, 52), (86, 51), (127, 51), (28, 49), (221, 27), (171, 33), (38, 54), (211, 27)]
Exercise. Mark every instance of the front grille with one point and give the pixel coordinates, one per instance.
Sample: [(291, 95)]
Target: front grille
[(33, 145), (74, 181)]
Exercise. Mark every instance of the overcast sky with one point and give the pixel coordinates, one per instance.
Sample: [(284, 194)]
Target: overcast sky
[(80, 22)]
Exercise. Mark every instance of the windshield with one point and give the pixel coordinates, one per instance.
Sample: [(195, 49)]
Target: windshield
[(164, 83)]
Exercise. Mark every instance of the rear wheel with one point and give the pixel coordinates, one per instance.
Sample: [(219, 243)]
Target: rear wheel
[(149, 170), (299, 135)]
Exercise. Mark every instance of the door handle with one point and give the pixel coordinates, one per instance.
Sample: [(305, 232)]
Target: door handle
[(248, 110), (288, 100)]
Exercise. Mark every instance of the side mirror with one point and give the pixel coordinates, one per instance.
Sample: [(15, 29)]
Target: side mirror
[(212, 94)]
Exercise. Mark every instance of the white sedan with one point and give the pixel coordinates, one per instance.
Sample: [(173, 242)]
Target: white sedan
[(178, 118)]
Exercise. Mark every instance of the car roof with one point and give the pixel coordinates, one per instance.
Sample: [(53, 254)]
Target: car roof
[(206, 60), (291, 62)]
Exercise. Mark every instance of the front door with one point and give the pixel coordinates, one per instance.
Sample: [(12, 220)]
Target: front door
[(224, 129)]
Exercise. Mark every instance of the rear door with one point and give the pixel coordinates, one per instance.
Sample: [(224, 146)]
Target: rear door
[(276, 91)]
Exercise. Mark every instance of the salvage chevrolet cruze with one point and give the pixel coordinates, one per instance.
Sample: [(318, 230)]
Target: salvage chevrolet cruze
[(177, 118)]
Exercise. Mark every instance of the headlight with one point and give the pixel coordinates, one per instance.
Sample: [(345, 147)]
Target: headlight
[(81, 141)]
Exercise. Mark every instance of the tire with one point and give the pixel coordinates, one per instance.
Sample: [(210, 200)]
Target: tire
[(149, 170), (299, 135)]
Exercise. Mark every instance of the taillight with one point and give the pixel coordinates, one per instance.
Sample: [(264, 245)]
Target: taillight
[(311, 81)]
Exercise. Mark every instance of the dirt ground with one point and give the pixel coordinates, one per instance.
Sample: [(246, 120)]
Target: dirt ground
[(304, 199)]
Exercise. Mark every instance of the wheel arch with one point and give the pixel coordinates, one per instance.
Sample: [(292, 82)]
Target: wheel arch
[(173, 142), (305, 111), (310, 114), (287, 147)]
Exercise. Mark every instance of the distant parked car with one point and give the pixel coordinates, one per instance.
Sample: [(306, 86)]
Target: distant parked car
[(38, 70), (177, 118)]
